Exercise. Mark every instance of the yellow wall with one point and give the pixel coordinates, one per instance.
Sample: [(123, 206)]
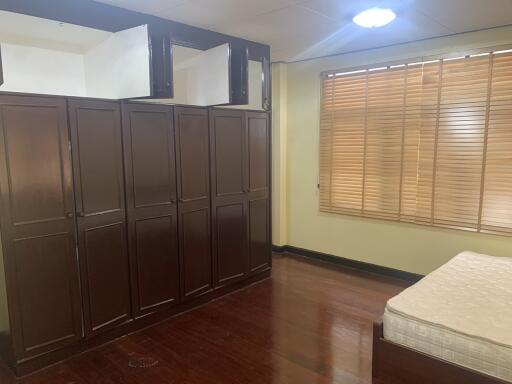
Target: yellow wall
[(279, 163), (397, 245)]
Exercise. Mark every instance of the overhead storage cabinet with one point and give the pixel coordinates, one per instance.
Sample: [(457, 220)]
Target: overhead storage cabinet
[(43, 56)]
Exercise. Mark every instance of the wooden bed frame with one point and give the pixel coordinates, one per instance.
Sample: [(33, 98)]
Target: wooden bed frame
[(396, 364)]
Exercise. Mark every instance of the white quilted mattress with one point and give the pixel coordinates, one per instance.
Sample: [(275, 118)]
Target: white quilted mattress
[(461, 313)]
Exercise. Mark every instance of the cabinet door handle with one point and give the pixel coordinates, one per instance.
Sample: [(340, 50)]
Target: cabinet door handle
[(69, 215), (81, 214)]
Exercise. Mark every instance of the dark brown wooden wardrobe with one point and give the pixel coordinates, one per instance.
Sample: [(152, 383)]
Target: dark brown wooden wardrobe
[(240, 193), (107, 220), (96, 141), (151, 198), (193, 171), (38, 229)]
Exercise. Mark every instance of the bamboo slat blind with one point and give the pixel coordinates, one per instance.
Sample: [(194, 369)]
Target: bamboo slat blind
[(428, 143)]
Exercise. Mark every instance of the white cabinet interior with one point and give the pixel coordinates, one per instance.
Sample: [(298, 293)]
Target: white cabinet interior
[(48, 57), (200, 77)]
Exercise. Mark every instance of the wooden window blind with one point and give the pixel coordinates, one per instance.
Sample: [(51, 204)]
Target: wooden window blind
[(427, 143)]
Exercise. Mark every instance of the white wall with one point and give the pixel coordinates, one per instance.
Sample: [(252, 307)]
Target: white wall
[(397, 245), (38, 70)]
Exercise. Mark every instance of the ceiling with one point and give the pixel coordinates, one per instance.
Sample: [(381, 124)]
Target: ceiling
[(301, 29)]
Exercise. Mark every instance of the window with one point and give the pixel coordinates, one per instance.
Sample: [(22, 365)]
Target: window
[(428, 143)]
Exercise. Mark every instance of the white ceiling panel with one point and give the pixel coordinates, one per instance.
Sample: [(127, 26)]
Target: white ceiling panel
[(212, 14), (300, 29), (467, 15), (284, 27), (144, 6), (342, 11), (409, 25)]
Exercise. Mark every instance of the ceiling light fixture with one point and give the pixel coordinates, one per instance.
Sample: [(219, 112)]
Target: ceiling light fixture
[(374, 17)]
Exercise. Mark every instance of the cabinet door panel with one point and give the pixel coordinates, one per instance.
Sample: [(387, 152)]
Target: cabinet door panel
[(38, 235), (193, 170), (193, 152), (161, 63), (157, 261), (104, 250), (231, 243), (99, 191), (152, 147), (228, 148), (259, 234), (267, 88), (258, 151), (151, 203), (32, 134), (101, 178), (195, 234), (239, 76), (44, 277)]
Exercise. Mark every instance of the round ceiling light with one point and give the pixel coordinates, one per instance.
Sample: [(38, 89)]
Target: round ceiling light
[(374, 17)]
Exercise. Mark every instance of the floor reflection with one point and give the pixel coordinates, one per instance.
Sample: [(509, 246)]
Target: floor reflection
[(309, 323)]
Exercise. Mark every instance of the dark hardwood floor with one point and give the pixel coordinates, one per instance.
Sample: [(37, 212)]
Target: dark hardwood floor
[(309, 323)]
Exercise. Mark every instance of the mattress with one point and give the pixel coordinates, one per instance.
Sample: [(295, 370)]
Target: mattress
[(461, 313)]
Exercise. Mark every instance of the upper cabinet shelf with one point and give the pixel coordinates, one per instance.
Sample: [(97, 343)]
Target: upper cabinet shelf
[(42, 56)]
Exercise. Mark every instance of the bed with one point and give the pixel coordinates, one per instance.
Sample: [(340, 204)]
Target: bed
[(454, 326)]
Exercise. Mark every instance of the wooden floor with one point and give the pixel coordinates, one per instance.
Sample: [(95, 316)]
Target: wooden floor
[(310, 323)]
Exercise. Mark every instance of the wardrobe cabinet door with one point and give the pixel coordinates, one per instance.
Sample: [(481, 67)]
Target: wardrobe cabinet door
[(99, 193), (151, 205), (258, 171), (193, 171), (228, 149), (228, 164), (230, 242), (259, 234), (258, 151), (38, 232)]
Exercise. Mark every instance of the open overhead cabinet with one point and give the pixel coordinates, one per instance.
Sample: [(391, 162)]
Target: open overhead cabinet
[(201, 77), (42, 56), (220, 76), (48, 57)]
